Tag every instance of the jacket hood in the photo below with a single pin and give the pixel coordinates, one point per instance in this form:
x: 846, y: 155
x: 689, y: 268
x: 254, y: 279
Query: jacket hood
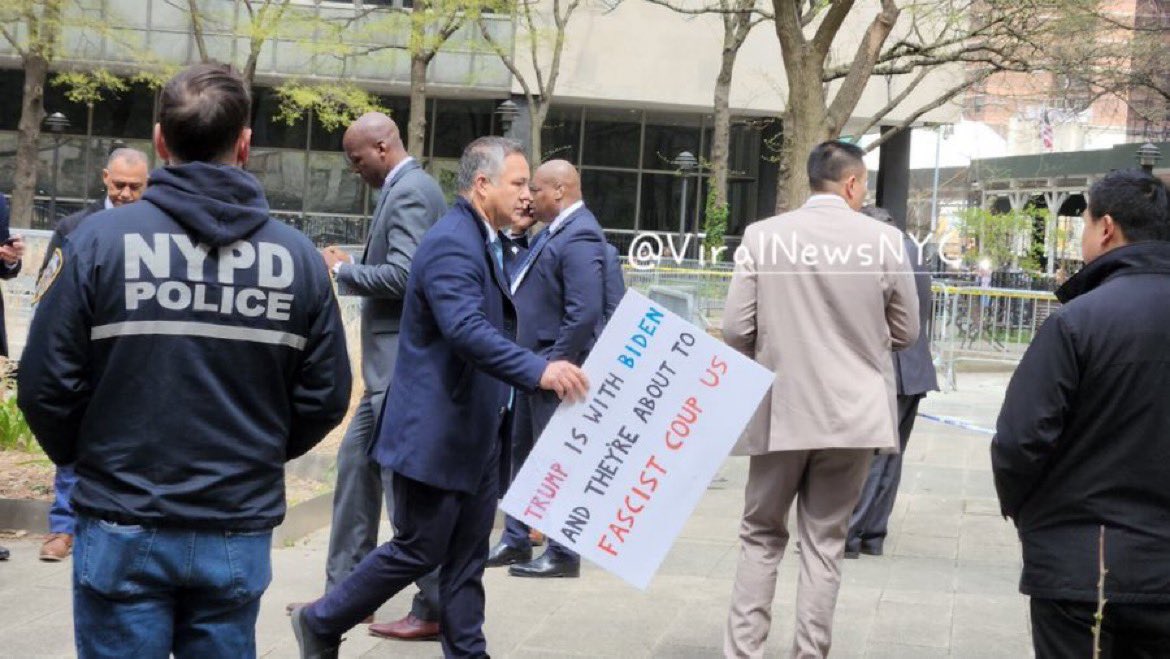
x: 219, y: 204
x: 1152, y: 256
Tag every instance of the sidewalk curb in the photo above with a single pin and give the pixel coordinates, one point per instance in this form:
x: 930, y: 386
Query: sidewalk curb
x: 24, y: 515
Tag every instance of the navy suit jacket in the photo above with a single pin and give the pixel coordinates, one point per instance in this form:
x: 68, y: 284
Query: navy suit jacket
x: 914, y: 366
x: 561, y: 299
x: 447, y: 398
x: 615, y: 283
x: 6, y: 272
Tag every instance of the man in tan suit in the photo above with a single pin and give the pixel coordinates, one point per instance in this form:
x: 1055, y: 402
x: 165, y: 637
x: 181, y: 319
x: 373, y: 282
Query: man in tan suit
x: 820, y: 295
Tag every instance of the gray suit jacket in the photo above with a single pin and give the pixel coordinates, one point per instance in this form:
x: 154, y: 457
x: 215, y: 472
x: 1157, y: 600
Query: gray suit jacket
x: 409, y: 204
x: 914, y: 366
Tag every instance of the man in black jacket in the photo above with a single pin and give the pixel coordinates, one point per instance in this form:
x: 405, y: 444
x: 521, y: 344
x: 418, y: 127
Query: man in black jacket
x: 125, y: 179
x: 10, y: 262
x: 1082, y: 448
x: 186, y: 347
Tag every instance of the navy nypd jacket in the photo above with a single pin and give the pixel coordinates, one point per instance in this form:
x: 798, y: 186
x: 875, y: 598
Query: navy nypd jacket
x: 185, y: 348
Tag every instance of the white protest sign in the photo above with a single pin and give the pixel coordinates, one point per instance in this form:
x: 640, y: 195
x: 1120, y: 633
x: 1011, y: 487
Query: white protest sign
x: 614, y: 478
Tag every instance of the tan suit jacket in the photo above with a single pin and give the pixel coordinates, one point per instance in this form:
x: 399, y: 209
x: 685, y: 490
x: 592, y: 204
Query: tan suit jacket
x: 821, y: 295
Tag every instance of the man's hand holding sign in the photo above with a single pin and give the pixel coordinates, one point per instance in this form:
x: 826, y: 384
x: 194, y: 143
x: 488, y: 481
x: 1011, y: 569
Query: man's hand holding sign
x: 616, y: 477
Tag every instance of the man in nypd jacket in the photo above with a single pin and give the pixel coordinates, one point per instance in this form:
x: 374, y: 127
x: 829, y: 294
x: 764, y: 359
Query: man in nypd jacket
x: 187, y: 347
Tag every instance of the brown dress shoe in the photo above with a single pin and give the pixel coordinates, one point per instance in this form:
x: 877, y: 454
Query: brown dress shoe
x: 409, y: 628
x: 288, y: 609
x: 57, y: 547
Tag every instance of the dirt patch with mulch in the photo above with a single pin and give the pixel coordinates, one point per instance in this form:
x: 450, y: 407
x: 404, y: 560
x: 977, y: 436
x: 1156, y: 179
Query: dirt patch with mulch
x: 26, y: 476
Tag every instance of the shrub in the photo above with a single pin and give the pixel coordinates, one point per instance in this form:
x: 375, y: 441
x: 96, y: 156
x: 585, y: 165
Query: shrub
x: 14, y: 431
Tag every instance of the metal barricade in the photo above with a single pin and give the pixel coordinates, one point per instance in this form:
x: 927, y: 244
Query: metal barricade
x: 699, y: 292
x: 984, y: 325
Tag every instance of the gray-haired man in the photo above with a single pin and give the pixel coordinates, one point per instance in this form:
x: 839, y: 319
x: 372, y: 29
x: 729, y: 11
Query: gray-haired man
x: 457, y: 357
x: 125, y: 177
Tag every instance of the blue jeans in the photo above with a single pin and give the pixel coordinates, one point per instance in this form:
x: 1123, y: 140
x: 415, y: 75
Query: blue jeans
x: 61, y: 512
x: 147, y: 592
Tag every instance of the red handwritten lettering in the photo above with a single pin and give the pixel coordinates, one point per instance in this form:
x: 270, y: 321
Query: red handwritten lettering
x: 546, y: 491
x: 628, y: 513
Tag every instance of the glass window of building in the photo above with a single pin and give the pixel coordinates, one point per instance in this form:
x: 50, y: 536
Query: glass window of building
x: 560, y: 137
x: 666, y: 137
x: 333, y: 188
x: 282, y: 173
x: 612, y: 196
x: 661, y: 205
x: 612, y: 138
x: 267, y: 131
x: 457, y: 123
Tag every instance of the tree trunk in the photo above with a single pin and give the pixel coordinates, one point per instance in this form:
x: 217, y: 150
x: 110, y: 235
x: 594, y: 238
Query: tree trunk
x: 720, y: 140
x: 417, y: 130
x: 88, y: 178
x: 538, y: 113
x: 32, y: 113
x: 805, y: 126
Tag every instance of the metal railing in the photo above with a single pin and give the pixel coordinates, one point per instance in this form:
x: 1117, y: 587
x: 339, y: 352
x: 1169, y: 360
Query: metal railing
x: 987, y: 325
x: 969, y: 324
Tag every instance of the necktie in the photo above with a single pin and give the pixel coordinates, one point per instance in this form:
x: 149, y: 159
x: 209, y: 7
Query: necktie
x: 530, y: 257
x: 498, y: 252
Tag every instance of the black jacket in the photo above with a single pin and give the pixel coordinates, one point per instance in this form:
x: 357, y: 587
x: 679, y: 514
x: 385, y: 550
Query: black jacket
x: 6, y: 272
x: 66, y: 227
x: 187, y: 347
x: 1083, y: 439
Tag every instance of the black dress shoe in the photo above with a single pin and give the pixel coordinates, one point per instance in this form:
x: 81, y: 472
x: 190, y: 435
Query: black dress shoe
x: 3, y: 554
x: 504, y: 554
x: 871, y: 550
x: 548, y: 567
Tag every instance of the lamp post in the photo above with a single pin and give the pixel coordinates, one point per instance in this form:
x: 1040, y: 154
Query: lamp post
x: 684, y: 162
x: 56, y: 123
x: 508, y: 112
x: 1148, y: 155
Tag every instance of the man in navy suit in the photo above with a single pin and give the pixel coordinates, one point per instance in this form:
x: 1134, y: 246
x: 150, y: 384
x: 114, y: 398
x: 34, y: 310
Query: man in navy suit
x: 409, y: 203
x: 559, y: 288
x: 440, y: 429
x: 615, y: 283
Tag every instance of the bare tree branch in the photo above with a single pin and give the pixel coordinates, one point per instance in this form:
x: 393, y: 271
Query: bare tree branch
x: 710, y: 9
x: 867, y: 53
x: 895, y: 101
x: 939, y: 101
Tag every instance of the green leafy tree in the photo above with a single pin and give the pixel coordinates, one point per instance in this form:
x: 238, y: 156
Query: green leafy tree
x: 545, y: 37
x: 1002, y: 239
x: 738, y: 18
x: 715, y: 223
x: 89, y: 88
x: 334, y: 105
x: 33, y: 29
x: 419, y: 32
x: 260, y: 21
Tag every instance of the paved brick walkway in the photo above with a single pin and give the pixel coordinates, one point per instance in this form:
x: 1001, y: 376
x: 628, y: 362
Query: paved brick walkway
x: 946, y: 588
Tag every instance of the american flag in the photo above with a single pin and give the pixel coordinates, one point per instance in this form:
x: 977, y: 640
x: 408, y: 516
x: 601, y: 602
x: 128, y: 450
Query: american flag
x: 1046, y: 134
